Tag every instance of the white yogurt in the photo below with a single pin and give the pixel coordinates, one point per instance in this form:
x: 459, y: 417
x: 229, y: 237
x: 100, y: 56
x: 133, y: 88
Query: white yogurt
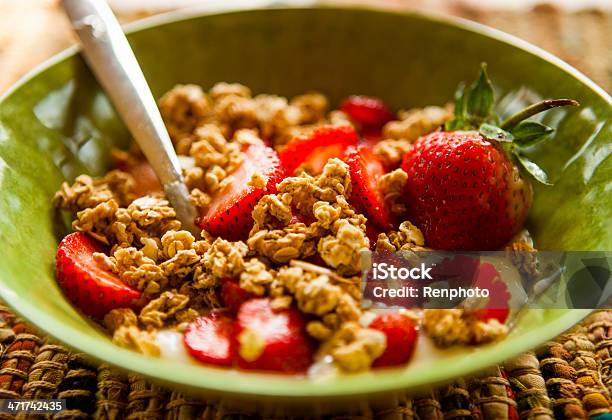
x: 171, y: 346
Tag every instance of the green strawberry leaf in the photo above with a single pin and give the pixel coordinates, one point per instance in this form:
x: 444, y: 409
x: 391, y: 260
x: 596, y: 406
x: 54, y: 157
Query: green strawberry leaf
x: 455, y: 124
x: 528, y: 133
x: 533, y: 169
x: 479, y: 98
x: 495, y: 133
x: 460, y: 101
x: 459, y: 122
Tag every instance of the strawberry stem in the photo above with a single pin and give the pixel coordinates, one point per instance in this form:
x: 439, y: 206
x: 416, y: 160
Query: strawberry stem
x: 534, y: 109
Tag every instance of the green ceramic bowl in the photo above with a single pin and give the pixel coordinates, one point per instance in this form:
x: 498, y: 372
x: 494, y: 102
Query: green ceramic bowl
x: 57, y: 123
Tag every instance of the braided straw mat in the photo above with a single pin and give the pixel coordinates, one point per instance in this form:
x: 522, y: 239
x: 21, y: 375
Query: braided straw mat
x: 568, y: 378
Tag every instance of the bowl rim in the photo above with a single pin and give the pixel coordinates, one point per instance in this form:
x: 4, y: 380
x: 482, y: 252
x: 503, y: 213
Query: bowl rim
x: 237, y: 382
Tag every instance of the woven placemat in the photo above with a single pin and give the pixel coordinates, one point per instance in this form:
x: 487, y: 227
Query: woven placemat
x: 567, y: 378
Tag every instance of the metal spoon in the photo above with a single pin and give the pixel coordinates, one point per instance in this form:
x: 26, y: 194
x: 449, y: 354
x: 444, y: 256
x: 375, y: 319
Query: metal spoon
x: 109, y: 55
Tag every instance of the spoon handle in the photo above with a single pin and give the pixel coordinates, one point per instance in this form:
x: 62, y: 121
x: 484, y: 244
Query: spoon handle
x: 112, y: 60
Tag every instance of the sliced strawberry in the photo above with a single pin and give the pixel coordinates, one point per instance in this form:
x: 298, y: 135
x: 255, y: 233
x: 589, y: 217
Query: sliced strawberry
x: 369, y: 112
x: 501, y: 314
x: 370, y: 138
x: 497, y: 306
x: 88, y: 286
x: 314, y: 151
x: 146, y: 181
x: 298, y: 217
x: 209, y: 339
x: 272, y: 340
x: 372, y: 233
x: 366, y: 169
x: 229, y: 215
x: 233, y: 295
x: 401, y: 336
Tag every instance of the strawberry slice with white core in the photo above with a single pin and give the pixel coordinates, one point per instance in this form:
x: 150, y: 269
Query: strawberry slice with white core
x: 209, y: 339
x: 88, y: 286
x: 272, y: 340
x: 229, y: 215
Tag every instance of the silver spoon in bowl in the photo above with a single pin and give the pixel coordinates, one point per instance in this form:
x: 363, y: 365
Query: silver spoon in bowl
x: 112, y: 60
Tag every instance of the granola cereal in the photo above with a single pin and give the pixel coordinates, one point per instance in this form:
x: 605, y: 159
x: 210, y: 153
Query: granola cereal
x: 417, y: 122
x: 391, y: 186
x: 255, y: 277
x: 392, y: 151
x: 120, y: 317
x: 224, y: 258
x: 134, y: 338
x: 354, y: 348
x: 342, y: 250
x: 169, y: 306
x: 407, y: 238
x: 87, y: 192
x: 523, y: 254
x: 449, y: 327
x: 134, y: 268
x: 305, y: 239
x: 183, y: 108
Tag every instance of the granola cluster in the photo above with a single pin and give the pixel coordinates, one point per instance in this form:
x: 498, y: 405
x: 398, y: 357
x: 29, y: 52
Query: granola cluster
x: 417, y: 122
x: 337, y: 232
x: 333, y: 301
x: 391, y: 186
x: 231, y: 107
x: 448, y: 327
x: 407, y: 238
x: 306, y: 243
x: 523, y: 254
x: 87, y: 192
x: 399, y: 135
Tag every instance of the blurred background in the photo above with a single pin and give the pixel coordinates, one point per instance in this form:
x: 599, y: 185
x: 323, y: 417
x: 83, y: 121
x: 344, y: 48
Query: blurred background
x: 578, y: 31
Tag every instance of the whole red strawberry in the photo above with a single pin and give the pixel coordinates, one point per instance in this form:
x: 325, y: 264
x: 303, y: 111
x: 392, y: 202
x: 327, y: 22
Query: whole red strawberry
x: 272, y: 340
x: 89, y: 287
x: 401, y: 336
x: 463, y: 190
